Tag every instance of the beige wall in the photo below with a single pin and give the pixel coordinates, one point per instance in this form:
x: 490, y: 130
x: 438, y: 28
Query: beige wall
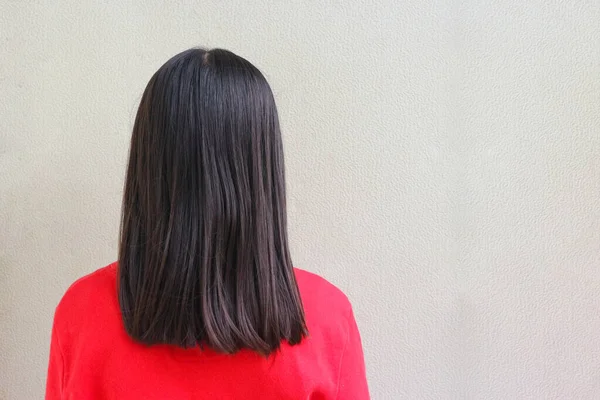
x: 443, y: 162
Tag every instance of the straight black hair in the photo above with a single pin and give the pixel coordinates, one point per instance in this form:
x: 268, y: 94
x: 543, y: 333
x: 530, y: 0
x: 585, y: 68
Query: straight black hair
x: 203, y: 252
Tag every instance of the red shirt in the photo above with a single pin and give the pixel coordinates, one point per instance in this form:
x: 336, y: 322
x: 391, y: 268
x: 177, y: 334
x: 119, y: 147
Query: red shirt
x: 92, y: 358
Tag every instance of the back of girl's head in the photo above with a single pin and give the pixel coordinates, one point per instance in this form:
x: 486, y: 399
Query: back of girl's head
x: 203, y: 255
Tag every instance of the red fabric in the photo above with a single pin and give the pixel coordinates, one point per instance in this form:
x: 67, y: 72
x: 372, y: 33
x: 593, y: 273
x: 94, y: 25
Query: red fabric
x: 92, y: 358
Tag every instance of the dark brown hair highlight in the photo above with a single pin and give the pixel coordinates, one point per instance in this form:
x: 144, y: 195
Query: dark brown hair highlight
x: 203, y: 252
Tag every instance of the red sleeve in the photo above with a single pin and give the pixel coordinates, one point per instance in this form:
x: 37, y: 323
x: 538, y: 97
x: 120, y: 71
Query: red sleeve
x: 352, y: 383
x: 55, y: 368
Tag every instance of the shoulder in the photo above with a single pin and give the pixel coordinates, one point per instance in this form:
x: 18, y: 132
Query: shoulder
x: 321, y: 296
x: 88, y: 294
x: 329, y: 319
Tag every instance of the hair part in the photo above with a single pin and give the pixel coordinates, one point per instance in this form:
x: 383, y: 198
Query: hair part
x: 203, y: 250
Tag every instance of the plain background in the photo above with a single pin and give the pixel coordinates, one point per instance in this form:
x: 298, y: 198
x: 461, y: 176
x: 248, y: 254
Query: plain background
x: 443, y: 164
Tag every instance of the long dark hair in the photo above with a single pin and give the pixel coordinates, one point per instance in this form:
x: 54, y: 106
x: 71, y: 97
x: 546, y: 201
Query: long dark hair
x: 203, y: 252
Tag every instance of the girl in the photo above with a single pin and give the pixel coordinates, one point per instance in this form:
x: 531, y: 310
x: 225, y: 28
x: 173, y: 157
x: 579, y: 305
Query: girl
x: 204, y: 302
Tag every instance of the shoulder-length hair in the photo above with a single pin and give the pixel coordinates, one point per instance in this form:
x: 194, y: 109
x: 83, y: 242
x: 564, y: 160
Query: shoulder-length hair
x: 203, y: 252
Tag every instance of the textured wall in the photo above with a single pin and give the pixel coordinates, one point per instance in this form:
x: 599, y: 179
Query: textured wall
x: 443, y: 161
